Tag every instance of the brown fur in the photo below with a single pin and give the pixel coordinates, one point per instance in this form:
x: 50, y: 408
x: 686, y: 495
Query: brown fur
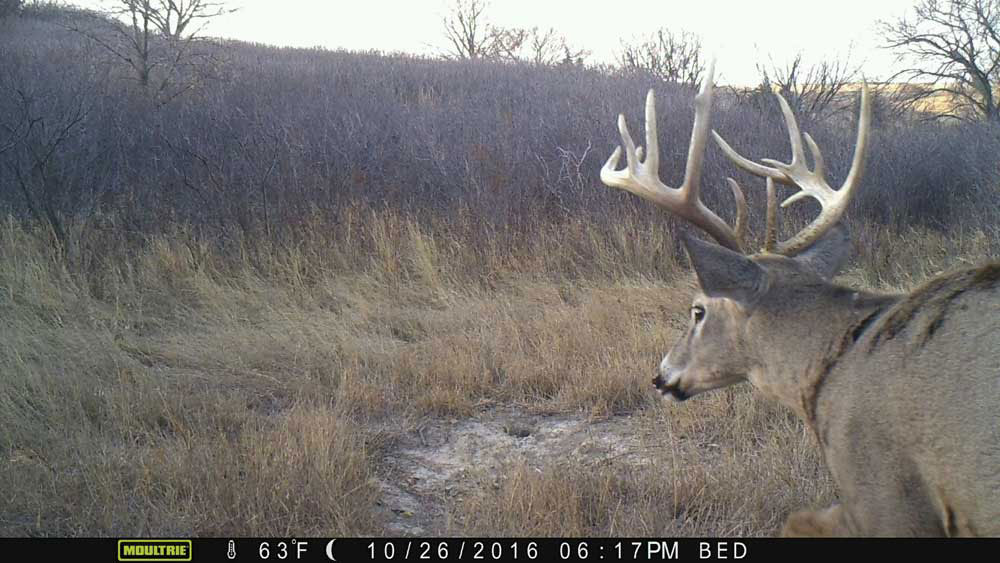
x: 813, y: 524
x: 934, y: 298
x: 877, y: 306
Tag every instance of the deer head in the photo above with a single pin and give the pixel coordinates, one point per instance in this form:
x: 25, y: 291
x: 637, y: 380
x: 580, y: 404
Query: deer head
x: 747, y: 303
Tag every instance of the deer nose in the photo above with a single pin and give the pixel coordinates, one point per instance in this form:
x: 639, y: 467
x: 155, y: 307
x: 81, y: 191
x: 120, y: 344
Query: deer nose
x: 662, y: 372
x: 671, y: 389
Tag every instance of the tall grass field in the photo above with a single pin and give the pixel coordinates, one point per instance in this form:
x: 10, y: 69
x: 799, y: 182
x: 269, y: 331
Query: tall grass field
x: 278, y: 304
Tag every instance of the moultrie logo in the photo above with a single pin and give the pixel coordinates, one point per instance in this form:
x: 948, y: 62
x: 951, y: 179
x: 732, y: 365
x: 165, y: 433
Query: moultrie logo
x: 154, y: 550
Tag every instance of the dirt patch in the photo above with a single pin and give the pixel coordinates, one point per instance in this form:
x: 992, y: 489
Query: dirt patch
x: 444, y: 459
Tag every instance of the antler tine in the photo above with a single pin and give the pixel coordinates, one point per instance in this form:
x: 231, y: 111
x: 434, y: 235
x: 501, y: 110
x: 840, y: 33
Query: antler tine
x: 811, y: 183
x: 771, y: 231
x: 741, y: 210
x: 641, y: 175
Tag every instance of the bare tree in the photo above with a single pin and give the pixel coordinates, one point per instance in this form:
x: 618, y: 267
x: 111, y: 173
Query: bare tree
x: 954, y: 45
x: 549, y: 48
x: 815, y: 92
x: 177, y: 18
x: 472, y: 36
x: 160, y: 41
x: 672, y: 57
x: 467, y: 30
x: 506, y: 43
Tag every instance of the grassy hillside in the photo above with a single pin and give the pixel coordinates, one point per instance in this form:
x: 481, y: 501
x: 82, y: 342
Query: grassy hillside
x: 266, y: 289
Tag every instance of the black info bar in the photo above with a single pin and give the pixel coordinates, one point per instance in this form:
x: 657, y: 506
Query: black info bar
x: 281, y: 550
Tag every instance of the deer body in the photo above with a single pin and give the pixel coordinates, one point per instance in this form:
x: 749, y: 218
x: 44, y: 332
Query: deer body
x: 909, y: 415
x: 901, y: 391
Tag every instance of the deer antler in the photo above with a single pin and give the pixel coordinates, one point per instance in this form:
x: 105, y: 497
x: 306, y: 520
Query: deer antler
x: 641, y: 176
x: 811, y: 183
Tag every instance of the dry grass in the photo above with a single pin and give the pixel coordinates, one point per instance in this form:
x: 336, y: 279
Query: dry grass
x: 174, y: 385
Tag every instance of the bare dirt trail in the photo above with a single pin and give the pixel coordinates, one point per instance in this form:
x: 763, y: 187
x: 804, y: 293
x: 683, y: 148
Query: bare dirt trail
x: 444, y: 459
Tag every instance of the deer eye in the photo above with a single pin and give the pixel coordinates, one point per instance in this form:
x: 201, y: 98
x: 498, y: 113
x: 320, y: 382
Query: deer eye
x: 697, y: 313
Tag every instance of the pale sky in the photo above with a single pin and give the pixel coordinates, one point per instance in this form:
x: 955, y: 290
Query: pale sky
x: 738, y: 32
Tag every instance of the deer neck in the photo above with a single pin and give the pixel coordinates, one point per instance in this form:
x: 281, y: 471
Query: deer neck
x: 794, y: 372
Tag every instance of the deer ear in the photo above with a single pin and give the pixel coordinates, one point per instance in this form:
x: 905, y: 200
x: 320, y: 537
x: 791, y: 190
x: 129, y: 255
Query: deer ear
x: 724, y: 273
x: 828, y: 255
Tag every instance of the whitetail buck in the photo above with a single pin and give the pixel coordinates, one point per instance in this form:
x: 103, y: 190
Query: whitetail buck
x: 901, y: 391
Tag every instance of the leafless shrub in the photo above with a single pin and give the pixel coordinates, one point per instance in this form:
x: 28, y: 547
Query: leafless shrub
x: 816, y: 92
x: 35, y: 135
x: 547, y: 47
x: 668, y: 55
x: 297, y: 132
